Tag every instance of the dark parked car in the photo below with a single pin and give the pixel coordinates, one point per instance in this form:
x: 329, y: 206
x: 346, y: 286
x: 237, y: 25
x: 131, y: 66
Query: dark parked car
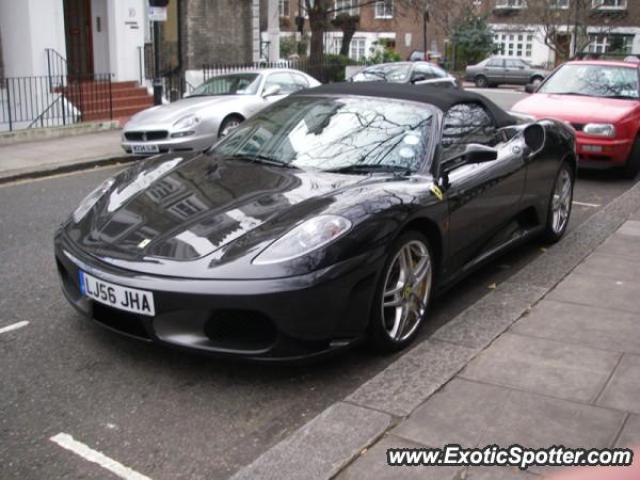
x: 330, y: 217
x: 418, y: 73
x: 495, y: 71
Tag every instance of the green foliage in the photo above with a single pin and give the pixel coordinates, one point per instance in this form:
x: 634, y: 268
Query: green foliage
x: 472, y: 37
x: 290, y: 46
x: 335, y: 67
x: 383, y: 52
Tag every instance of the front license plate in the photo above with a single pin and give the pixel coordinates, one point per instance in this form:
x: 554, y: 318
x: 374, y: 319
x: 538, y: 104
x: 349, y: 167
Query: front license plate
x: 116, y: 296
x: 145, y: 148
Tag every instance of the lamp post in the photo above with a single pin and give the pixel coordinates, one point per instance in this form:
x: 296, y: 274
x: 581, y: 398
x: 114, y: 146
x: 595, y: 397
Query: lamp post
x: 425, y: 20
x: 157, y: 14
x: 575, y: 28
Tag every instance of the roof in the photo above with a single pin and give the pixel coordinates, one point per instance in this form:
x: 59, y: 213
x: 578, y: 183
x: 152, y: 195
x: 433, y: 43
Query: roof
x: 442, y: 98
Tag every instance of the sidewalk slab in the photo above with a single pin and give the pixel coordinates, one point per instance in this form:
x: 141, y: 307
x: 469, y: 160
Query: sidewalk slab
x: 373, y: 464
x: 623, y: 391
x: 404, y: 385
x: 36, y: 158
x: 321, y: 448
x: 618, y: 267
x: 598, y: 291
x: 542, y: 366
x: 625, y: 245
x: 498, y: 415
x: 630, y: 436
x: 594, y: 327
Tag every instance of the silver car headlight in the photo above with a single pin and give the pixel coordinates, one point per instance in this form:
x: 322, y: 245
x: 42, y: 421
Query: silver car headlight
x: 306, y: 237
x: 600, y: 130
x: 90, y: 200
x: 188, y: 121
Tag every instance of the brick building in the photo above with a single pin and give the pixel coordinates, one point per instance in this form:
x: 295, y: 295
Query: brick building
x: 394, y: 21
x: 606, y: 26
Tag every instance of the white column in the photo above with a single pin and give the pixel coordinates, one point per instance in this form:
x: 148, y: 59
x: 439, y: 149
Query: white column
x: 273, y: 29
x: 255, y: 29
x: 126, y: 33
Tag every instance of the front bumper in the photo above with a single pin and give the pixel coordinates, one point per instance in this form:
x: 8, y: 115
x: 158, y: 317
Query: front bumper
x: 283, y: 319
x: 602, y: 153
x: 192, y: 143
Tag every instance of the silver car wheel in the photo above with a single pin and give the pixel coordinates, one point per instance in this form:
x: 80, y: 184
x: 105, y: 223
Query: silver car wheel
x: 561, y: 202
x: 406, y: 290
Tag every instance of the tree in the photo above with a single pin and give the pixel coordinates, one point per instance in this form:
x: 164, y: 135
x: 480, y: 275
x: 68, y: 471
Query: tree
x: 348, y: 24
x: 472, y: 37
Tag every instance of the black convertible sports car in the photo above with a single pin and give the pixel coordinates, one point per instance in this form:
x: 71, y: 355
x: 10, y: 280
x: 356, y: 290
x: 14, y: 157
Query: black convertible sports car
x: 330, y: 217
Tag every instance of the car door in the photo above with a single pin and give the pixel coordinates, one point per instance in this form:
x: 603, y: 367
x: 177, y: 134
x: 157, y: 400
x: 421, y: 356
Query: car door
x: 482, y: 198
x: 515, y: 71
x: 494, y: 70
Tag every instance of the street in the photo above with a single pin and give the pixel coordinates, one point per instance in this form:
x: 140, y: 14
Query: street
x: 163, y: 413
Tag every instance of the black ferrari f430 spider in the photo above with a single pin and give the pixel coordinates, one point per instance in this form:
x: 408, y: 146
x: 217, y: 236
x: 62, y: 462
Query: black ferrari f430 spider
x: 331, y: 217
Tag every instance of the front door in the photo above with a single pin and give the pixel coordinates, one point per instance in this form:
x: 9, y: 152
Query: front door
x: 77, y: 26
x: 483, y: 197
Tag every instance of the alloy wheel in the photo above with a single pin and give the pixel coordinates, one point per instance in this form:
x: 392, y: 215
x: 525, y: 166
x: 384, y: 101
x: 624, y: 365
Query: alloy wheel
x: 561, y: 202
x: 229, y: 126
x: 406, y: 290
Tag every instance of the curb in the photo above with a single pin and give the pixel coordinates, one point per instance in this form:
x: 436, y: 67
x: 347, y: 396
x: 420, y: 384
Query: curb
x: 69, y: 167
x: 322, y: 448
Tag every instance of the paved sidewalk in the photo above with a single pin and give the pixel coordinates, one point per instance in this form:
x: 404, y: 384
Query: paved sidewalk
x: 568, y: 373
x: 58, y: 154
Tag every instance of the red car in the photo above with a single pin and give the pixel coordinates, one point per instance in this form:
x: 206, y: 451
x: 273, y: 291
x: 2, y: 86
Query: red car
x: 601, y: 100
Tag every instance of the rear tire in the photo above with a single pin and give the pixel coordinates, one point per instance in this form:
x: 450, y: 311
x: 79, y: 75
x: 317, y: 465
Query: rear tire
x: 560, y: 204
x: 632, y: 167
x: 481, y: 81
x: 402, y: 296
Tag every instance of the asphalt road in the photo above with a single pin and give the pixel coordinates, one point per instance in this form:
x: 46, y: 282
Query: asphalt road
x: 165, y: 414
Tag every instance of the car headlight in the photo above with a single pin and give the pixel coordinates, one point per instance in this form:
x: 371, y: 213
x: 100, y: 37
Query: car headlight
x: 187, y: 121
x: 90, y: 200
x: 305, y: 238
x: 600, y: 130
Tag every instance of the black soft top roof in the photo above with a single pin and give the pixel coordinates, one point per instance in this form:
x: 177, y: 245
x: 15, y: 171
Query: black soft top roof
x: 442, y: 98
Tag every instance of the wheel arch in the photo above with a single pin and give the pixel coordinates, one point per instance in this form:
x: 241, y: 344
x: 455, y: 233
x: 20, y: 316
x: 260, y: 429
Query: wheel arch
x: 430, y: 229
x: 228, y: 116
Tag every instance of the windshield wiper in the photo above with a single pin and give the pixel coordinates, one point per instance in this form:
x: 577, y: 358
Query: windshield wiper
x: 371, y: 168
x: 264, y: 159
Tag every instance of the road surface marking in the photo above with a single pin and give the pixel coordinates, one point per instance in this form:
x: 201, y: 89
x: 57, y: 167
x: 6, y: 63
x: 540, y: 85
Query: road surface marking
x: 15, y: 326
x: 585, y: 204
x: 66, y: 441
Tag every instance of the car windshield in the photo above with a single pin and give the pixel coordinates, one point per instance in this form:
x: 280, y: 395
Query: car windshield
x: 352, y: 134
x: 389, y: 73
x: 594, y: 81
x: 236, y: 84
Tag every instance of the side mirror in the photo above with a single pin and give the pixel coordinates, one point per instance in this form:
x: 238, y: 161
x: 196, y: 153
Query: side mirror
x: 270, y: 91
x: 531, y: 88
x: 473, y: 153
x: 534, y: 138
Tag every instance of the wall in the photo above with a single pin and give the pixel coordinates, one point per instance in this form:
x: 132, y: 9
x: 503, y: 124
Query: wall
x: 217, y: 31
x: 126, y: 25
x: 99, y: 16
x: 28, y: 27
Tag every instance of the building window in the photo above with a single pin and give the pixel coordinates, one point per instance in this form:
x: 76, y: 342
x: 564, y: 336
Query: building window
x: 511, y: 3
x: 357, y: 49
x: 611, y: 43
x: 350, y: 7
x: 610, y: 4
x: 384, y: 9
x: 283, y: 8
x: 559, y: 4
x: 514, y: 44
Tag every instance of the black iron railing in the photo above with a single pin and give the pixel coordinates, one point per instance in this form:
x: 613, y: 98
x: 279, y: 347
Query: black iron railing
x: 54, y: 100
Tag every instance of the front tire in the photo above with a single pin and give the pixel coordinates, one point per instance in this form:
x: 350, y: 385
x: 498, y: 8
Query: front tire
x: 632, y: 167
x: 481, y: 81
x: 228, y: 124
x: 403, y: 293
x: 560, y: 204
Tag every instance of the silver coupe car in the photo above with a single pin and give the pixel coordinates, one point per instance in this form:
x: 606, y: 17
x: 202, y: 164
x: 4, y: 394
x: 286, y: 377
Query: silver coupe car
x: 210, y: 112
